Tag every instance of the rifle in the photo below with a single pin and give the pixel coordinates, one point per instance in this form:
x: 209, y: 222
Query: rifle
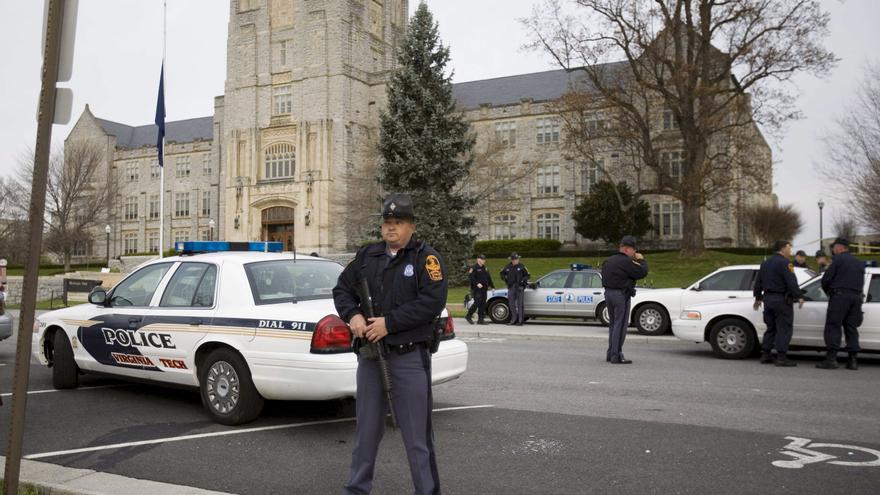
x: 377, y: 349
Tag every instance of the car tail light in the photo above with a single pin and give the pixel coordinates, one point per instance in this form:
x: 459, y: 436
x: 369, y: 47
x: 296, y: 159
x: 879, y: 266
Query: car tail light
x: 331, y: 335
x: 448, y: 329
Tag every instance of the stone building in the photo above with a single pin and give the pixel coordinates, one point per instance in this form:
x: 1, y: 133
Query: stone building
x: 290, y: 152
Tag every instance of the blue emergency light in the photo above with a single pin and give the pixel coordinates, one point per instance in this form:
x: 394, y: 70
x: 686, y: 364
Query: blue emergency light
x: 580, y: 266
x: 225, y: 246
x: 871, y: 264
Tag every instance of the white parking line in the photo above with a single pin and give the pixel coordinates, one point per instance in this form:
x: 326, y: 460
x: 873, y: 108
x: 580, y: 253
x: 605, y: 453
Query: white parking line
x: 219, y: 434
x: 9, y: 394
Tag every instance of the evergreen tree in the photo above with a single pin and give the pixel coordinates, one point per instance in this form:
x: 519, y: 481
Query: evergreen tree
x: 425, y: 144
x: 601, y: 216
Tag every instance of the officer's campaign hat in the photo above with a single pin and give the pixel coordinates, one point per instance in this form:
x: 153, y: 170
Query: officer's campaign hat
x: 514, y: 256
x: 628, y: 240
x: 843, y: 241
x: 398, y: 206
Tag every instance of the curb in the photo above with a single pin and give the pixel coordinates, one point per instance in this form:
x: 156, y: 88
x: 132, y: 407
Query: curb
x: 630, y: 338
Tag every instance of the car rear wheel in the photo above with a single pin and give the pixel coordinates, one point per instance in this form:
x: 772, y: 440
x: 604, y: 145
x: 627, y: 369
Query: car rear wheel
x: 65, y: 372
x: 732, y: 338
x: 602, y: 314
x: 651, y: 319
x: 227, y: 390
x: 499, y: 311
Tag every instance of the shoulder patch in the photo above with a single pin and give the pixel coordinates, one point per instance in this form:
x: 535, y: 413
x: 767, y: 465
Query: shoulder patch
x: 432, y: 266
x: 791, y: 267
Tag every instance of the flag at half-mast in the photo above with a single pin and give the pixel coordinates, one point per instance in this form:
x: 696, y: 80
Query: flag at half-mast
x: 160, y: 116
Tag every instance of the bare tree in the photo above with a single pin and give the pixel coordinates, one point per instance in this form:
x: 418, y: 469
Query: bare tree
x: 13, y: 221
x: 846, y: 227
x: 717, y: 69
x: 853, y: 151
x: 774, y: 223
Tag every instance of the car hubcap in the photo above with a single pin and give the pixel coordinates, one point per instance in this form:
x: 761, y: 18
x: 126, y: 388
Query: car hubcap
x: 499, y: 311
x: 650, y: 320
x: 731, y: 339
x: 605, y: 316
x: 223, y: 387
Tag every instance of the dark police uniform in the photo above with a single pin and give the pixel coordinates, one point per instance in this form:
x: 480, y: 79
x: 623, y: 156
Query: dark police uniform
x: 619, y: 275
x: 777, y: 287
x: 409, y: 289
x: 516, y: 277
x: 844, y: 282
x: 479, y: 275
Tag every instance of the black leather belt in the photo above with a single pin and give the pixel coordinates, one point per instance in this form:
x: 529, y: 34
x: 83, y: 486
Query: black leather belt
x: 404, y: 348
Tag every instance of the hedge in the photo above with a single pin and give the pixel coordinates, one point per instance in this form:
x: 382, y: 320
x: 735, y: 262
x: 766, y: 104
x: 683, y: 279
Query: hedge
x: 523, y: 247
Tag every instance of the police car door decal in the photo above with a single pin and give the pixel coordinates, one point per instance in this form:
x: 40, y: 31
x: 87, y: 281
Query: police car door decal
x: 115, y: 341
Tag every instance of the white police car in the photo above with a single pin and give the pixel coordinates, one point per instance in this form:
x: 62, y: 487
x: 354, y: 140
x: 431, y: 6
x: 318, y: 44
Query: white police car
x: 241, y: 326
x: 576, y: 292
x: 734, y: 328
x: 6, y: 320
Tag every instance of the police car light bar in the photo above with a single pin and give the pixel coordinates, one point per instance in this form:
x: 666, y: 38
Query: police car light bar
x: 580, y: 266
x: 224, y: 246
x: 871, y: 264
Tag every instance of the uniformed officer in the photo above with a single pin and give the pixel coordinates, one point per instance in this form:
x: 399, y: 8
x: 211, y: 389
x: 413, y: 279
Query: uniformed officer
x: 619, y: 275
x: 777, y: 288
x: 800, y: 259
x: 408, y: 285
x: 843, y: 282
x: 481, y: 281
x: 516, y: 275
x: 822, y: 261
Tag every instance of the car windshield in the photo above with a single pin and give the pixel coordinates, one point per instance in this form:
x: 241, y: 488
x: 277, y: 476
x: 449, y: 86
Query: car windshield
x: 288, y: 280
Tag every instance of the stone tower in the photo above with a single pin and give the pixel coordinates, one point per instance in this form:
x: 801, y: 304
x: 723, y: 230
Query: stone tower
x: 298, y: 124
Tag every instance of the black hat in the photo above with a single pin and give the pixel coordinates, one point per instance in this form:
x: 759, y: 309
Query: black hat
x: 820, y: 254
x: 514, y: 256
x: 843, y: 241
x: 398, y: 206
x: 801, y: 252
x: 628, y: 240
x: 481, y: 256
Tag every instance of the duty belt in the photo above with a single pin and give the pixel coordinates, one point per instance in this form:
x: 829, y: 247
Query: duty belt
x: 404, y: 348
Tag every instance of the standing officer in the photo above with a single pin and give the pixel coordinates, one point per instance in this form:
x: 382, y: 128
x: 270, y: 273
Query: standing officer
x: 822, y: 261
x: 408, y: 285
x: 843, y: 282
x: 516, y: 275
x: 800, y: 259
x: 481, y: 282
x: 619, y: 275
x: 777, y: 287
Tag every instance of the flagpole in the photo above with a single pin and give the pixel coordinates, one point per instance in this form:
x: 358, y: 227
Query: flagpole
x: 162, y: 165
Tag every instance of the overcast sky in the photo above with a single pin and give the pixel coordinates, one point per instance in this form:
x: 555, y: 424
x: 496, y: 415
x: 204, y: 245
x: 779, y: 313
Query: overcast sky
x: 119, y: 50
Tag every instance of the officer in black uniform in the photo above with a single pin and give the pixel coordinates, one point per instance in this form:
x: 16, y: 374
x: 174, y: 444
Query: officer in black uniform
x: 409, y: 287
x: 481, y: 282
x: 843, y: 282
x: 822, y: 261
x: 800, y: 259
x: 516, y: 275
x: 619, y: 275
x: 777, y: 288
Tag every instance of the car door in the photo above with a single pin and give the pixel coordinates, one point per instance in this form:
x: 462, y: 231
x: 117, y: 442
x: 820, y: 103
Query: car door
x: 113, y: 343
x: 721, y: 285
x: 184, y: 311
x: 809, y: 321
x: 583, y: 293
x: 547, y: 296
x: 869, y: 332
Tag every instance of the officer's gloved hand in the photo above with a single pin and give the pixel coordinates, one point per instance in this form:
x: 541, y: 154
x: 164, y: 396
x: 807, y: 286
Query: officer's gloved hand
x: 757, y: 304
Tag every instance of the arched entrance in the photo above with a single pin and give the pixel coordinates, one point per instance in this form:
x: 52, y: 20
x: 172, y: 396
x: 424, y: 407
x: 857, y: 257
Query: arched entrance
x: 278, y: 226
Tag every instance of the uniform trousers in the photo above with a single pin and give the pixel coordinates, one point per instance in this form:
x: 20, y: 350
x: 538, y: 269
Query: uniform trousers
x: 515, y: 298
x: 844, y: 310
x: 779, y: 318
x: 479, y: 305
x: 618, y: 302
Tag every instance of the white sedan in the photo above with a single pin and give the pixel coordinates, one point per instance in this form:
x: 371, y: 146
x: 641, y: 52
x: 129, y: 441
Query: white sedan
x: 653, y: 309
x: 241, y: 326
x: 734, y: 328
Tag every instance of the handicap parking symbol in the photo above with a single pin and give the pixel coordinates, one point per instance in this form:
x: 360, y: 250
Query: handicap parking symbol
x: 802, y: 453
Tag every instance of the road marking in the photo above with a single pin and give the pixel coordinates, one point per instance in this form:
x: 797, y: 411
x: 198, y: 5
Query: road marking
x: 9, y: 394
x: 220, y: 434
x: 803, y: 453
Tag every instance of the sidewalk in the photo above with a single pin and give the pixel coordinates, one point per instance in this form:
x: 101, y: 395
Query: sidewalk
x: 551, y: 329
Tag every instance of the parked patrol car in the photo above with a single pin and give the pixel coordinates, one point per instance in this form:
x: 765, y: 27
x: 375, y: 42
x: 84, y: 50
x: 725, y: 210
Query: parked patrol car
x: 241, y: 326
x: 574, y: 292
x: 5, y: 318
x: 734, y: 328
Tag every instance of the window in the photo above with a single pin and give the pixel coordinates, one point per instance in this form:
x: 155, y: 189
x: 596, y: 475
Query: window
x: 547, y: 131
x: 181, y: 204
x: 245, y: 5
x: 874, y: 290
x: 207, y: 168
x: 590, y: 174
x: 205, y: 235
x: 814, y: 292
x: 667, y: 219
x: 505, y: 133
x: 192, y: 285
x: 180, y: 235
x: 503, y: 227
x: 280, y: 161
x: 131, y: 171
x: 154, y: 170
x: 131, y: 208
x: 154, y: 206
x: 284, y: 281
x: 728, y: 280
x: 153, y: 241
x: 138, y: 288
x: 206, y: 203
x: 548, y: 226
x: 548, y: 180
x: 555, y: 280
x: 130, y: 242
x: 182, y: 166
x: 595, y: 124
x: 670, y: 162
x: 586, y: 280
x: 669, y: 121
x: 80, y: 249
x: 281, y: 100
x: 282, y: 51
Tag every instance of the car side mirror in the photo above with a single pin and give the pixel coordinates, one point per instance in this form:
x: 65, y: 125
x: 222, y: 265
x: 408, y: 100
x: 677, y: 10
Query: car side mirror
x: 533, y: 286
x: 98, y: 296
x: 697, y: 288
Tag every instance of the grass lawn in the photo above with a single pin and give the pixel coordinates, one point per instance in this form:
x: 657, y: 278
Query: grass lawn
x: 48, y: 271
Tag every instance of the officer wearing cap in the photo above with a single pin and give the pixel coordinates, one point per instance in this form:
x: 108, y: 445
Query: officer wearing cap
x: 481, y: 282
x: 800, y: 259
x: 408, y: 285
x: 822, y: 261
x: 516, y: 275
x: 777, y: 288
x: 844, y: 282
x: 619, y: 275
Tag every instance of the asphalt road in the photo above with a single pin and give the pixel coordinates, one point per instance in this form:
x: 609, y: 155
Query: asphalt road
x: 562, y: 421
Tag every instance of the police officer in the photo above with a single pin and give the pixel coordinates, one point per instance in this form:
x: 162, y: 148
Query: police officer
x: 619, y: 275
x: 481, y: 282
x: 800, y: 259
x: 408, y: 285
x: 822, y: 261
x: 777, y: 288
x: 843, y: 282
x: 516, y: 275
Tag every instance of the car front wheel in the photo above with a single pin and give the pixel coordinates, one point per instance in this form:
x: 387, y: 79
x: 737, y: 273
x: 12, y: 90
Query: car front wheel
x: 732, y: 338
x: 602, y: 314
x: 228, y: 393
x: 499, y: 311
x: 65, y: 372
x: 651, y: 319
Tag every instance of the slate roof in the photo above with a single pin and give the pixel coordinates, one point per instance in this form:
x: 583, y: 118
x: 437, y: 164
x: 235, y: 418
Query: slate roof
x: 179, y: 131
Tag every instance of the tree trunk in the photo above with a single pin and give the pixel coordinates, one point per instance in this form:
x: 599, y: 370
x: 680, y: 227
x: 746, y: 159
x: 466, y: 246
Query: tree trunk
x: 66, y: 262
x: 692, y: 229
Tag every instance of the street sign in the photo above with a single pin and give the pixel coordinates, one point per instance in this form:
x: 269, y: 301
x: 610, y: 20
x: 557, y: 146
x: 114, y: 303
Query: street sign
x: 68, y: 37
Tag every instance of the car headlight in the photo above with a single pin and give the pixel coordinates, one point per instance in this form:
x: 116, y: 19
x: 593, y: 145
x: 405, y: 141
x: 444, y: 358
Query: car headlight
x: 690, y: 315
